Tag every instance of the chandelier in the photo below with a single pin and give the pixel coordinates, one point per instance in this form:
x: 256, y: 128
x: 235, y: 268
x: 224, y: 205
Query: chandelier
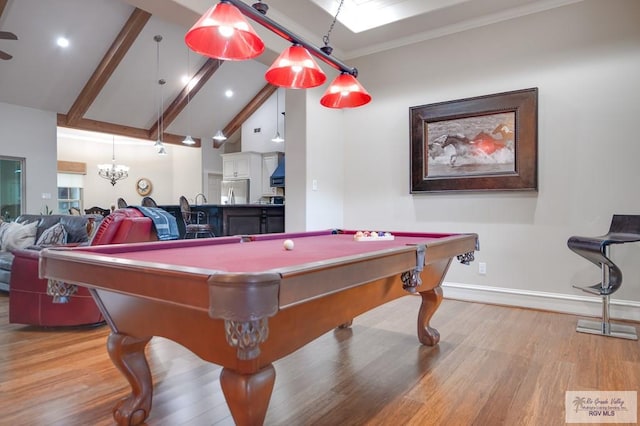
x: 113, y: 172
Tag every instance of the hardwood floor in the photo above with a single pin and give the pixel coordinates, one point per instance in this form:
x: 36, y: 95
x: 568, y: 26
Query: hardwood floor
x: 494, y: 366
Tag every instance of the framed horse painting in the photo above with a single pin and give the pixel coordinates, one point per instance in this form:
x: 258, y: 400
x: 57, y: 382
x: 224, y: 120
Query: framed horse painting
x: 485, y: 143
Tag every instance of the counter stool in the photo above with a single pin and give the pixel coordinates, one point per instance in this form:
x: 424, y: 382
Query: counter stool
x: 623, y: 229
x: 196, y: 223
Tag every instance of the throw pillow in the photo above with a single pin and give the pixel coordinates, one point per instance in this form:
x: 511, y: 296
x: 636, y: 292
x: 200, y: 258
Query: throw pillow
x: 4, y: 226
x: 20, y: 236
x: 5, y: 229
x: 53, y: 236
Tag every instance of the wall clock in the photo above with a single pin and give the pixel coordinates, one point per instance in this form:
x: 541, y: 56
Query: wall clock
x: 143, y: 186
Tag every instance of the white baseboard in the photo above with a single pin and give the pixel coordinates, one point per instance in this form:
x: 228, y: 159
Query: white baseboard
x: 590, y: 306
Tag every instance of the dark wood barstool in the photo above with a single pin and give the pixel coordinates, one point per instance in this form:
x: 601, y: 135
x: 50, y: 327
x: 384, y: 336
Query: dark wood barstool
x: 196, y: 223
x: 149, y: 202
x: 122, y: 204
x: 98, y: 210
x: 623, y: 229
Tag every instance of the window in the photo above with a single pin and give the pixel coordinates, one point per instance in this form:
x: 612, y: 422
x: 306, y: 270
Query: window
x: 69, y: 197
x: 11, y: 187
x: 69, y: 192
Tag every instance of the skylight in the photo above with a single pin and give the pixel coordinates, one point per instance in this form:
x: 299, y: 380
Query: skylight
x: 362, y: 15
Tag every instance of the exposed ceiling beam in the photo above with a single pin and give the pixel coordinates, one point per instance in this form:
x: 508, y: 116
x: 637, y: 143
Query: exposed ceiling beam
x: 242, y: 116
x: 134, y: 132
x: 108, y: 65
x: 180, y: 102
x: 118, y: 129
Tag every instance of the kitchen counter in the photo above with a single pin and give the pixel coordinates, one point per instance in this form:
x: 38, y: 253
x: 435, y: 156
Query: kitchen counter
x: 236, y: 219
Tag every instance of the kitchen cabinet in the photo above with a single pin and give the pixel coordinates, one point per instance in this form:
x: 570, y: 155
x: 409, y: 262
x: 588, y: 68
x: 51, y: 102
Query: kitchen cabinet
x: 241, y: 165
x: 269, y: 163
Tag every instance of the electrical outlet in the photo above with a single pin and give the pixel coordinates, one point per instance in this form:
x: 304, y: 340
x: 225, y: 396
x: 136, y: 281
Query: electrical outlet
x: 482, y: 268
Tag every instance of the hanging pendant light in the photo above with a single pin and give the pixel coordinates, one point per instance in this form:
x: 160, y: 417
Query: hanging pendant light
x: 159, y: 143
x: 277, y: 138
x: 161, y: 82
x: 295, y: 69
x: 224, y: 33
x: 188, y: 140
x: 219, y: 136
x: 345, y: 92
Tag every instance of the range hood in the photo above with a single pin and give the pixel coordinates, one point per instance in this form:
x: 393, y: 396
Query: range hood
x: 277, y: 178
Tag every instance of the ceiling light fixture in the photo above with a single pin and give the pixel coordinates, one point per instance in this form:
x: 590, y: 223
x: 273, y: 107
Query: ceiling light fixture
x: 295, y: 69
x: 223, y: 33
x: 111, y: 172
x: 62, y: 42
x: 188, y: 140
x: 277, y: 137
x: 161, y: 82
x: 219, y: 136
x: 217, y: 35
x: 345, y: 92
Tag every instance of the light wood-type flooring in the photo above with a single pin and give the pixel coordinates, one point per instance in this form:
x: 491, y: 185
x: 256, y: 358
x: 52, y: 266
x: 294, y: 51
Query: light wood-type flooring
x: 494, y: 366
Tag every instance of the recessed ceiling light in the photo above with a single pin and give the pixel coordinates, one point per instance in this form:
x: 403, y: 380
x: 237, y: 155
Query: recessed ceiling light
x: 184, y: 79
x: 62, y: 42
x: 228, y: 93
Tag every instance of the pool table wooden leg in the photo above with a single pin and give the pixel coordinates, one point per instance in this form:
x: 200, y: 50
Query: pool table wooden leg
x: 127, y: 354
x: 430, y: 301
x: 248, y: 395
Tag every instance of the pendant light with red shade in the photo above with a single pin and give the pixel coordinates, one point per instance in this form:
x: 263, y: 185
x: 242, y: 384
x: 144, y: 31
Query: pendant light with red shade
x: 223, y: 33
x: 345, y: 92
x: 295, y: 69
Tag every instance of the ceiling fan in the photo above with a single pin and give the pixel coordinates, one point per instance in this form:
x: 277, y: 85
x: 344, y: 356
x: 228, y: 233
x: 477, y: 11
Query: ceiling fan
x: 6, y: 35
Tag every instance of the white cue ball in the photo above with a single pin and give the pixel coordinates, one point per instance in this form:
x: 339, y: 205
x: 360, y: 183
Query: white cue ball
x: 288, y: 245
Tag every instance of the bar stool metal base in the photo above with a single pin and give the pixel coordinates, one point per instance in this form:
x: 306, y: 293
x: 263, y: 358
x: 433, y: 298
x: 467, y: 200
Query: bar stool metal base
x: 605, y: 329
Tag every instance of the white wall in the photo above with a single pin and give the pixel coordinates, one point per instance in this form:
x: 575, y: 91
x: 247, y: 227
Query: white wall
x: 295, y: 211
x: 187, y: 166
x: 325, y: 163
x: 31, y: 134
x: 178, y: 173
x: 585, y: 60
x: 260, y: 128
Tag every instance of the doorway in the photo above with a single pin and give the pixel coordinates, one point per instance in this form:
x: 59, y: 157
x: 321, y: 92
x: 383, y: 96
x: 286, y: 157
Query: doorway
x: 214, y: 183
x: 11, y: 187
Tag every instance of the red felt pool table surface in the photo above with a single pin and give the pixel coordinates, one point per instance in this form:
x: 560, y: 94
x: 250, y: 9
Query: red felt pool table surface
x: 245, y: 302
x: 263, y: 252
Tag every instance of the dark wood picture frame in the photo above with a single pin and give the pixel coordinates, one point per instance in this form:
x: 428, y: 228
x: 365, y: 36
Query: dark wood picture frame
x: 471, y: 163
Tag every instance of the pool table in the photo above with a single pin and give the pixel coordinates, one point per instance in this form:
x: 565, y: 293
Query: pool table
x: 244, y: 302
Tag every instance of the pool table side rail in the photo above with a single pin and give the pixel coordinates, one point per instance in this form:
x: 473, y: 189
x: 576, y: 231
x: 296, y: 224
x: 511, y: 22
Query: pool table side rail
x: 297, y: 284
x: 151, y: 280
x: 304, y: 284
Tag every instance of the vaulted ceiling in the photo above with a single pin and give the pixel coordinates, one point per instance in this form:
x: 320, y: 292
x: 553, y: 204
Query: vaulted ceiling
x: 107, y: 79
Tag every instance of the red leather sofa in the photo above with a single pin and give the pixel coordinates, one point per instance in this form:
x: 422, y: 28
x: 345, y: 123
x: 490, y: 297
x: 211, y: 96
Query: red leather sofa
x: 29, y: 302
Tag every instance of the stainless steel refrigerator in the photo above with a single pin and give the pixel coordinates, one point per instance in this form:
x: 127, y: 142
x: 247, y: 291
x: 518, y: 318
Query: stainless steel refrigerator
x: 234, y: 191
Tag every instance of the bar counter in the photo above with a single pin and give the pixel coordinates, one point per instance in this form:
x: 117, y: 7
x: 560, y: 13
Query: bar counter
x: 236, y: 219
